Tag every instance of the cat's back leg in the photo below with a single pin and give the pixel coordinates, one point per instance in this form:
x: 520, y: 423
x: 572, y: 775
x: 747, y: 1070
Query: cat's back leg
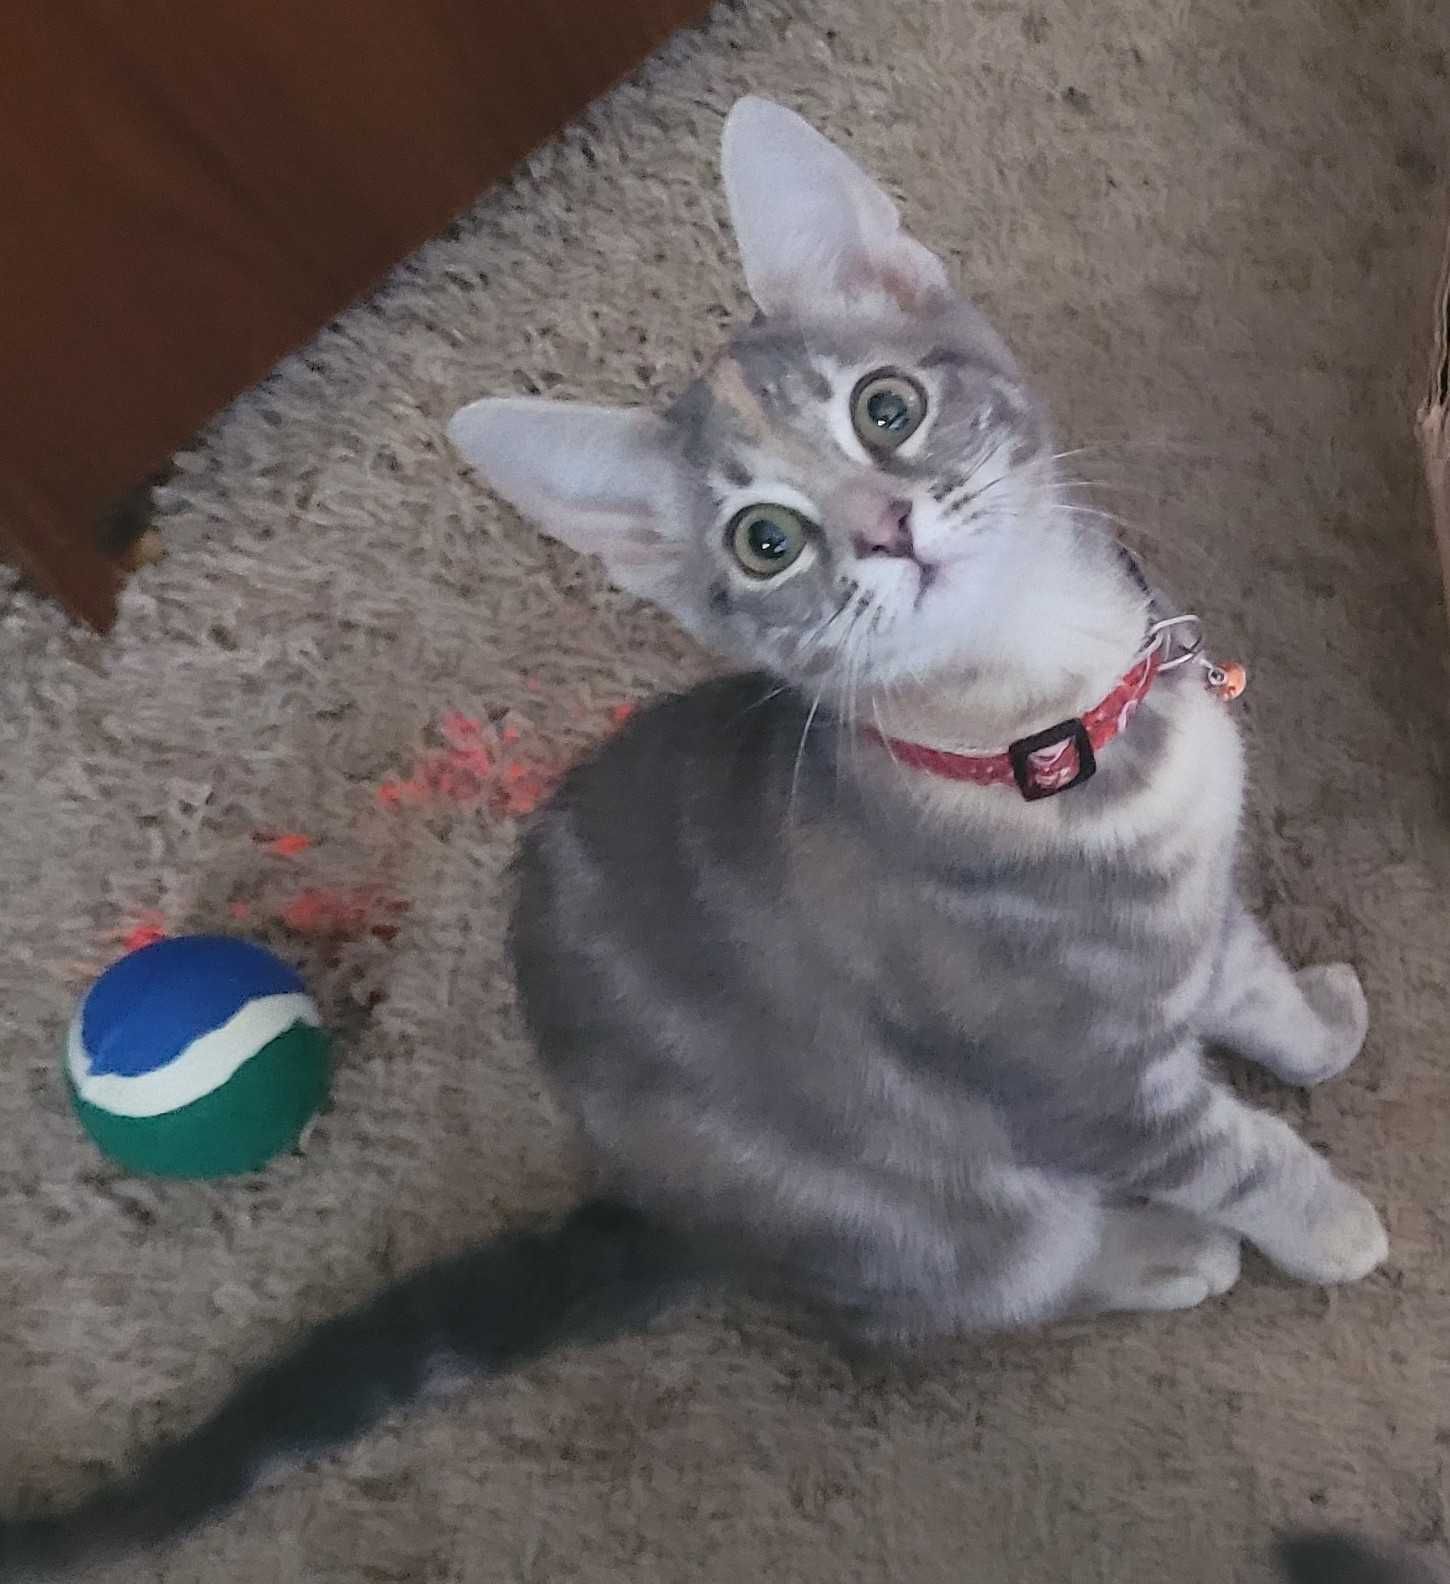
x: 1034, y: 1250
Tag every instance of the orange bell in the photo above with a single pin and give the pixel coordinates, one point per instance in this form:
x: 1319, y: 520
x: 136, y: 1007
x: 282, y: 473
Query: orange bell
x: 1226, y: 681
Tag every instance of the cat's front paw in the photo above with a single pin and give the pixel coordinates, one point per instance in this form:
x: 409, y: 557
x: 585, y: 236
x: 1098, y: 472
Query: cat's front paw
x: 1158, y: 1259
x: 1336, y: 998
x: 1342, y: 1239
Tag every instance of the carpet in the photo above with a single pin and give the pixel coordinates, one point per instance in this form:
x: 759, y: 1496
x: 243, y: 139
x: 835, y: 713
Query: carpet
x: 1211, y: 233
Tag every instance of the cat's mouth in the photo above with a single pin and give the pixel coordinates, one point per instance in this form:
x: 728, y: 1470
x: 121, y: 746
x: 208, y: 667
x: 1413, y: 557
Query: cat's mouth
x: 927, y: 572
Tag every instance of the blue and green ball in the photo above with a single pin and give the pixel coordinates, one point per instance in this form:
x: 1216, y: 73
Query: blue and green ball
x: 198, y: 1056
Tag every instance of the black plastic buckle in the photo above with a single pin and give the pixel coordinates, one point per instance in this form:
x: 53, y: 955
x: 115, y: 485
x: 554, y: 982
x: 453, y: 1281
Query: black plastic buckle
x: 1030, y: 782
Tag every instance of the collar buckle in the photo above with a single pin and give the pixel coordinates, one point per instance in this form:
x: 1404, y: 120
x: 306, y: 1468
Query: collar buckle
x: 1052, y: 761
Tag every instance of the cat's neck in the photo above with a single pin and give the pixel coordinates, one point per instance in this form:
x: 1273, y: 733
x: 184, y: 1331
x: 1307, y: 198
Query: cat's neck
x: 1057, y: 646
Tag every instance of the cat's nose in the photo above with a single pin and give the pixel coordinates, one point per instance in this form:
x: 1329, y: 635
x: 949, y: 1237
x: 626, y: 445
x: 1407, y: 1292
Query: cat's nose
x: 889, y: 535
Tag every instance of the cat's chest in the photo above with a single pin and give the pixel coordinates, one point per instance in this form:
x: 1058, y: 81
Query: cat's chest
x: 871, y: 908
x: 1006, y: 908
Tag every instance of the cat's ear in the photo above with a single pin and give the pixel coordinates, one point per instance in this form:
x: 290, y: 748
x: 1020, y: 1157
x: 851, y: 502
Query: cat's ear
x: 604, y: 480
x: 811, y: 223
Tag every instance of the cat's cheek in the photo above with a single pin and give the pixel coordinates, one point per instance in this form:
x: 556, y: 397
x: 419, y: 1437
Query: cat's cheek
x: 729, y: 633
x: 938, y: 634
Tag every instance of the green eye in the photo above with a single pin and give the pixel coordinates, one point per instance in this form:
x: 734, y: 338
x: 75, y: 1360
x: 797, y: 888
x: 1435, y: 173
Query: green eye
x: 886, y: 408
x: 766, y: 539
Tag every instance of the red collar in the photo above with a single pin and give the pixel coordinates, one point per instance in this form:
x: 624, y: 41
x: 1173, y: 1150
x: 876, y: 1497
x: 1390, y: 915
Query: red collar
x: 1049, y: 761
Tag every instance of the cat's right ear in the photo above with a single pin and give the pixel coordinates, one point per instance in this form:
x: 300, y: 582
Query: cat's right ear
x: 604, y: 480
x: 812, y: 225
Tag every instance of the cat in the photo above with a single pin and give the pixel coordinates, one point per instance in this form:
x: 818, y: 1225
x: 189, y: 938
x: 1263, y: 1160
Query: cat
x: 836, y: 1012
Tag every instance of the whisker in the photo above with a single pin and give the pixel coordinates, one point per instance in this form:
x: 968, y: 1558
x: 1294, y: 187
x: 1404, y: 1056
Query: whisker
x: 800, y: 755
x: 886, y: 734
x: 766, y: 698
x: 1143, y: 445
x: 1101, y: 484
x: 1136, y: 529
x: 854, y: 648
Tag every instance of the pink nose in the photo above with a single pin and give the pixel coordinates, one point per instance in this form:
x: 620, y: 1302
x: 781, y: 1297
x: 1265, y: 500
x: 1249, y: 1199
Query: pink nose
x: 889, y: 534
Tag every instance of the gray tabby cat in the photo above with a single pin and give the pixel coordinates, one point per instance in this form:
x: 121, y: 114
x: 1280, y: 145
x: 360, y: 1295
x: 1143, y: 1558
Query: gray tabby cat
x: 917, y: 1044
x: 917, y: 1051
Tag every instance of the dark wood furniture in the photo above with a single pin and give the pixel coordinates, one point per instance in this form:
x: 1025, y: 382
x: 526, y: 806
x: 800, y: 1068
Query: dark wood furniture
x: 191, y: 191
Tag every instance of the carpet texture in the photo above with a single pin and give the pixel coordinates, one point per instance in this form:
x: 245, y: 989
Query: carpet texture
x: 1211, y: 233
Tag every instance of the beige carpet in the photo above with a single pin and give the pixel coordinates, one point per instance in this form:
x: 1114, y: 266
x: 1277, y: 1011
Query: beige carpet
x: 1211, y: 231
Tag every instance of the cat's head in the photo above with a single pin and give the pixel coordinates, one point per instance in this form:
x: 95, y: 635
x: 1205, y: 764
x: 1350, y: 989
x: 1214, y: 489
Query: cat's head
x: 859, y: 487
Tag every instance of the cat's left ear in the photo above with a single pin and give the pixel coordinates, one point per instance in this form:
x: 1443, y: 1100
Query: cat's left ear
x: 811, y: 224
x: 604, y: 480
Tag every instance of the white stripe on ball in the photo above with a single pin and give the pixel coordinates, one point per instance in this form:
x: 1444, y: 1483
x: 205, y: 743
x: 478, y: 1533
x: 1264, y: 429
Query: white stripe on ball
x: 206, y: 1064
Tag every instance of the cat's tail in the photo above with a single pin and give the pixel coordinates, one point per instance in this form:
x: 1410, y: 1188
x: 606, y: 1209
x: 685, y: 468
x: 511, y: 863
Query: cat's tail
x: 605, y: 1269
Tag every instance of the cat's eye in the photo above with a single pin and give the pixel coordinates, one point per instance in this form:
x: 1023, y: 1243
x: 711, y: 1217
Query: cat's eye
x: 766, y: 539
x: 886, y: 409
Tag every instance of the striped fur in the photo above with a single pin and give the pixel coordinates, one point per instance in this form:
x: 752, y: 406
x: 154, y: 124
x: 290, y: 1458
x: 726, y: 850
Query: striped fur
x: 931, y: 1055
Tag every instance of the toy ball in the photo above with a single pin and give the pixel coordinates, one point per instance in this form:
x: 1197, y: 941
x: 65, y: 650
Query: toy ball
x: 198, y: 1056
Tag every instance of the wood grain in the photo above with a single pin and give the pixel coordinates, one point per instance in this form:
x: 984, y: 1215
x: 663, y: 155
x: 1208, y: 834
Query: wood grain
x: 192, y: 191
